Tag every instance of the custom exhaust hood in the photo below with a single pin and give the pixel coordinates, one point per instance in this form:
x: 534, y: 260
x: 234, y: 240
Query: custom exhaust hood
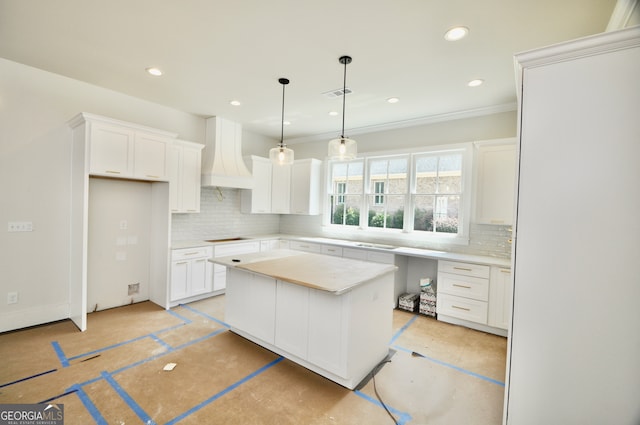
x: 222, y: 163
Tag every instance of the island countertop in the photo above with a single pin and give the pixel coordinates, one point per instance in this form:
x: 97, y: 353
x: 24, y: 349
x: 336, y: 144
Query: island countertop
x: 327, y: 273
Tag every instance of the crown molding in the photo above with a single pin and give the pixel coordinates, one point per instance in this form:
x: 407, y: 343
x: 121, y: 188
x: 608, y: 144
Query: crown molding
x: 415, y: 122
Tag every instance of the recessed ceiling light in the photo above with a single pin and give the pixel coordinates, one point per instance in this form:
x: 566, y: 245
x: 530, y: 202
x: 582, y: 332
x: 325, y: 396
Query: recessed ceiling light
x: 154, y: 71
x: 333, y: 113
x: 286, y: 122
x: 475, y: 83
x: 393, y: 100
x: 456, y: 33
x: 235, y: 103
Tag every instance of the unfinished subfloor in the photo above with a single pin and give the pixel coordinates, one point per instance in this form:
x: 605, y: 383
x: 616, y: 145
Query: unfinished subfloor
x: 113, y: 373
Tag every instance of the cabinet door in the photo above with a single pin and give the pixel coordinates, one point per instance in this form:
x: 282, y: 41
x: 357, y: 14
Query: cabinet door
x: 251, y: 302
x: 305, y: 246
x: 150, y: 160
x: 327, y: 333
x: 280, y: 188
x: 258, y: 199
x: 496, y: 175
x: 500, y: 297
x: 305, y: 187
x: 199, y: 283
x: 292, y: 318
x: 179, y: 279
x: 190, y: 185
x: 111, y: 150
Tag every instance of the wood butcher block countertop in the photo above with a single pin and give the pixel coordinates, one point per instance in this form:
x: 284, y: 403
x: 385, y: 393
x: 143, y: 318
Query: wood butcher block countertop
x: 317, y: 271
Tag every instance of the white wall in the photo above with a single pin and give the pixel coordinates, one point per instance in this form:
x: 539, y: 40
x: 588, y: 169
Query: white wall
x: 35, y: 159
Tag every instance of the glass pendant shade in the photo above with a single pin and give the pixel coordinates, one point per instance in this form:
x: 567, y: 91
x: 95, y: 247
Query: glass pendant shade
x: 281, y: 155
x: 342, y: 149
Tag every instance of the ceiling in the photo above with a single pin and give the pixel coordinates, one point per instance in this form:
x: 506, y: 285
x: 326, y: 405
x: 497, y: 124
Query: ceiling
x: 214, y: 51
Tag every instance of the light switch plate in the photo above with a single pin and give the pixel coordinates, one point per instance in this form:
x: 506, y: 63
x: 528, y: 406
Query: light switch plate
x: 20, y: 226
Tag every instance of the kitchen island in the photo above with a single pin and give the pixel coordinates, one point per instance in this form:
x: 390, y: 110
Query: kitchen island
x: 331, y: 315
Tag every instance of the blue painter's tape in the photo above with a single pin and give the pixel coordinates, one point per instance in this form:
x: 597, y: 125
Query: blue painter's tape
x: 193, y: 310
x: 452, y: 366
x: 186, y: 320
x: 63, y: 359
x: 402, y: 329
x: 161, y: 342
x: 128, y: 399
x: 57, y: 396
x: 195, y: 341
x: 27, y: 378
x: 223, y: 392
x: 109, y: 347
x: 402, y: 417
x: 88, y: 404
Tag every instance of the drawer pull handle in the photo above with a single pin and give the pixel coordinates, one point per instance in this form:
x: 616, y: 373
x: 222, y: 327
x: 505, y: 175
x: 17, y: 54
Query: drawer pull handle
x: 505, y: 271
x: 191, y: 253
x: 461, y: 308
x: 462, y: 268
x: 182, y: 262
x: 112, y: 171
x: 462, y: 286
x: 153, y: 177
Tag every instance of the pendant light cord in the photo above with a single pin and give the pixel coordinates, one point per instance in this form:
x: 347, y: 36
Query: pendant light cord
x: 344, y: 92
x: 284, y: 82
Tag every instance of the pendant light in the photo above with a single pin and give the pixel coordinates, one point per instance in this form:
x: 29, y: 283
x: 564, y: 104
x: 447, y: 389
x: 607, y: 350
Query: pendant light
x: 281, y: 155
x: 343, y: 148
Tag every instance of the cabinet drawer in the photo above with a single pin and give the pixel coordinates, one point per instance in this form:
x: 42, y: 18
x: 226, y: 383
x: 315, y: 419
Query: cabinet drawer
x: 380, y: 257
x: 462, y: 308
x: 465, y: 286
x: 237, y: 248
x: 191, y: 253
x: 465, y: 269
x: 331, y: 250
x: 304, y: 246
x: 358, y: 254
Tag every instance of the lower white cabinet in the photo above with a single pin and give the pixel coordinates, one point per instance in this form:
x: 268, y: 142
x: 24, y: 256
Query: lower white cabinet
x: 500, y: 297
x: 250, y: 304
x: 463, y: 291
x: 191, y: 272
x: 305, y: 246
x: 291, y: 317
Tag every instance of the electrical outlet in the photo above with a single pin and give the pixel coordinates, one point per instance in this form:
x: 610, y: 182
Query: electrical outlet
x: 12, y: 298
x: 134, y: 288
x: 20, y: 226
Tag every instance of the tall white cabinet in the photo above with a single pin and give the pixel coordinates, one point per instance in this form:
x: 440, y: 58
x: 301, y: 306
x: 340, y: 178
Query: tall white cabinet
x: 575, y: 337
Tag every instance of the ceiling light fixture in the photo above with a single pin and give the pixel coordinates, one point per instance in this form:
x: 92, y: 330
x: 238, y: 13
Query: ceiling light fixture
x: 475, y: 83
x: 343, y: 148
x: 281, y: 155
x: 393, y: 100
x: 154, y: 71
x: 456, y: 33
x: 235, y: 103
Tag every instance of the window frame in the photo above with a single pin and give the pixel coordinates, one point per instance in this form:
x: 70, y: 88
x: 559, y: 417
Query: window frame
x: 407, y: 232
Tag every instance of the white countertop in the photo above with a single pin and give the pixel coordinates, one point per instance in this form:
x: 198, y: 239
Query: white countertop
x: 400, y: 250
x: 324, y: 272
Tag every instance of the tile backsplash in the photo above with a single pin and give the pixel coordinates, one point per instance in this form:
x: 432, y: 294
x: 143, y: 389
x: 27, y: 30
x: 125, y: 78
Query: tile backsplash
x: 220, y: 218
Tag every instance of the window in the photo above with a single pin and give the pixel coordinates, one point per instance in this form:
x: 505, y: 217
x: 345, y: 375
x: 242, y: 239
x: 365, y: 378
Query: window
x: 437, y: 192
x: 419, y: 192
x: 346, y: 192
x: 388, y: 188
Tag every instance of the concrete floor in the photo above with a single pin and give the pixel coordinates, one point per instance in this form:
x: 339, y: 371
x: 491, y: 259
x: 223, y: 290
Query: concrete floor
x: 113, y: 373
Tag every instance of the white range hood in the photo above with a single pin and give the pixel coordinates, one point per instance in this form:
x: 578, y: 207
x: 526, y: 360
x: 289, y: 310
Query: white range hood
x: 222, y: 163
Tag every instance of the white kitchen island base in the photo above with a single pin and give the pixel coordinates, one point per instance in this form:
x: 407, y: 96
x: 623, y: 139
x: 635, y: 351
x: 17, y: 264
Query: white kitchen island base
x: 341, y: 334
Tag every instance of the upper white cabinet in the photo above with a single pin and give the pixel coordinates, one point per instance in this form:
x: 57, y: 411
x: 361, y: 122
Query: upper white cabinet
x: 258, y: 199
x: 280, y: 189
x: 184, y: 176
x: 119, y: 149
x: 283, y: 189
x: 305, y: 186
x: 495, y: 181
